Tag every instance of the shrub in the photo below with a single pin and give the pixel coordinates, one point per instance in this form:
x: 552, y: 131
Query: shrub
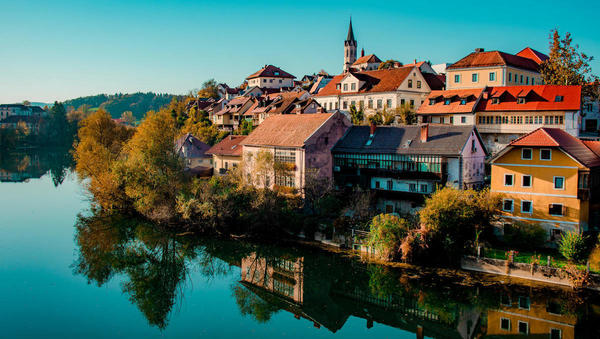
x: 387, y: 233
x: 572, y: 246
x: 525, y: 236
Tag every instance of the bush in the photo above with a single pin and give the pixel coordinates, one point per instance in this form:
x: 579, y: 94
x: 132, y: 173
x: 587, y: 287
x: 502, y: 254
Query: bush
x: 387, y: 233
x: 572, y: 246
x: 525, y: 236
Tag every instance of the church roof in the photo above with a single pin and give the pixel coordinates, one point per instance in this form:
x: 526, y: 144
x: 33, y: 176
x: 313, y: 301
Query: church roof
x: 350, y: 33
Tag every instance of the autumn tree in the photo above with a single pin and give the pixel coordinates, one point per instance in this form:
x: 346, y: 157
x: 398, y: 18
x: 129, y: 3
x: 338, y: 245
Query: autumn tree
x: 405, y: 114
x: 567, y: 65
x: 390, y: 63
x: 128, y: 117
x: 209, y: 89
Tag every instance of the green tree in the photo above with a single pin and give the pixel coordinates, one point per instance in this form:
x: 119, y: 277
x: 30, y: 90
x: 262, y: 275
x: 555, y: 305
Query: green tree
x: 406, y: 114
x: 387, y: 231
x: 569, y: 66
x: 572, y: 246
x: 357, y: 115
x: 390, y: 63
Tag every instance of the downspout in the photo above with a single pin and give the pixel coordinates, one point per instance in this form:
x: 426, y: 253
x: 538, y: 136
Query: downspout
x: 460, y: 172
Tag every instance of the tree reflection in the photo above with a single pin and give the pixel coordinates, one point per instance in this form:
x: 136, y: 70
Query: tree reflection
x: 34, y: 163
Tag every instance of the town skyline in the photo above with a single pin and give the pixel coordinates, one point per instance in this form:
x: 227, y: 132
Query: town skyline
x: 159, y: 52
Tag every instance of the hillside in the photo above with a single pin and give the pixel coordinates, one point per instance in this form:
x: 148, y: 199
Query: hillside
x: 116, y: 104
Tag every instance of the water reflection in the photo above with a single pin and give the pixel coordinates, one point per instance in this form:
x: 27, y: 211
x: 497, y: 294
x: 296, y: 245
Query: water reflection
x: 20, y: 166
x: 321, y: 288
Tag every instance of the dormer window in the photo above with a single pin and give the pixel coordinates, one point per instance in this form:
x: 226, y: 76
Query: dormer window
x: 495, y: 100
x: 338, y: 86
x: 520, y: 100
x: 276, y: 73
x: 431, y: 101
x: 447, y: 102
x: 559, y: 98
x: 463, y: 101
x: 409, y: 83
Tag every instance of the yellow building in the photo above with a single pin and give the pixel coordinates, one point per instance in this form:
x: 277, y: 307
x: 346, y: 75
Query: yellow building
x: 494, y: 68
x: 227, y: 154
x: 549, y: 177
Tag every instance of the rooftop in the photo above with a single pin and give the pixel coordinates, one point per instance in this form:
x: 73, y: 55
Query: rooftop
x: 495, y: 58
x: 230, y: 145
x: 286, y: 130
x: 271, y: 72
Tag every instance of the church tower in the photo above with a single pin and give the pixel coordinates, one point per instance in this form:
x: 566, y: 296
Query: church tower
x: 349, y: 49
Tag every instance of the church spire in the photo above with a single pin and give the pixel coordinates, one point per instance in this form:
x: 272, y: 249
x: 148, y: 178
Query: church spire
x: 350, y: 32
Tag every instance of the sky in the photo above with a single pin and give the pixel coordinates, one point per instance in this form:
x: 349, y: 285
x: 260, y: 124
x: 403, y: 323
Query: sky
x: 57, y: 50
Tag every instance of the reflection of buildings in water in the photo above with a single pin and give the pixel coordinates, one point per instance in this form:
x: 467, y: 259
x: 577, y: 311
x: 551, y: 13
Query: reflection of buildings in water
x: 328, y: 300
x: 281, y: 276
x: 523, y: 316
x: 20, y: 167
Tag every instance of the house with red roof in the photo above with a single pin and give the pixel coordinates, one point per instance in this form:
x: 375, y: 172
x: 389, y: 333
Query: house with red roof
x: 505, y: 113
x: 270, y: 77
x: 495, y: 68
x: 287, y: 149
x: 551, y: 178
x: 378, y: 89
x: 226, y: 154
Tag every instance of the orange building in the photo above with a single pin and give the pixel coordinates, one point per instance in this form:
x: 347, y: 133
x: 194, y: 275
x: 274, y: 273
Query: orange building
x: 551, y: 178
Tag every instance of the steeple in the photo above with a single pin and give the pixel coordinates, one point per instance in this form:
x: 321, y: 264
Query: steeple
x: 349, y: 48
x: 350, y: 33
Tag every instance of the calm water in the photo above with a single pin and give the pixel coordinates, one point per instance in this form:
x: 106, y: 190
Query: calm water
x: 67, y: 272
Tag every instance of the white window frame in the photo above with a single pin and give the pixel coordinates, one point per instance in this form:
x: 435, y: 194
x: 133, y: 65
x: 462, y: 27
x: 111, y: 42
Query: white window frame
x: 556, y: 329
x: 509, y: 324
x: 554, y: 183
x: 545, y: 149
x: 512, y: 205
x: 513, y: 180
x: 523, y: 158
x: 519, y: 327
x: 530, y: 181
x: 530, y: 206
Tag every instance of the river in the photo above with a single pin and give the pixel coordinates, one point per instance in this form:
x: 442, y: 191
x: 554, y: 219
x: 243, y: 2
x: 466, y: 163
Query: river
x: 67, y: 271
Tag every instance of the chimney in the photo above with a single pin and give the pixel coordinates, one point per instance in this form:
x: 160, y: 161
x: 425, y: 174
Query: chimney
x: 479, y: 50
x: 362, y: 52
x: 415, y: 61
x: 424, y: 132
x: 373, y: 128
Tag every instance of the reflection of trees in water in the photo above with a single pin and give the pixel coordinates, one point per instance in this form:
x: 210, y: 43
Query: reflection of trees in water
x: 34, y: 163
x: 323, y: 288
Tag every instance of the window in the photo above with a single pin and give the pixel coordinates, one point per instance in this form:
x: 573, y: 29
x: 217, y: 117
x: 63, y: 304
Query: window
x: 556, y: 209
x: 524, y: 303
x: 353, y: 86
x: 526, y: 80
x: 352, y: 103
x: 424, y: 188
x: 431, y: 102
x: 507, y: 205
x: 457, y: 78
x: 370, y: 103
x: 520, y: 100
x: 345, y: 87
x: 526, y: 154
x: 377, y: 184
x: 271, y: 80
x: 526, y: 181
x: 418, y: 83
x: 523, y: 327
x: 463, y: 101
x: 280, y: 81
x: 505, y: 324
x: 526, y: 207
x: 508, y: 179
x: 412, y: 103
x: 412, y: 187
x: 402, y: 102
x: 532, y: 81
x: 509, y: 76
x: 555, y: 333
x: 505, y: 300
x: 521, y: 78
x: 463, y: 120
x: 389, y: 103
x: 409, y: 83
x: 495, y: 100
x: 379, y: 103
x: 390, y: 185
x: 474, y: 77
x: 545, y: 154
x: 559, y: 183
x: 451, y: 120
x: 447, y: 102
x: 492, y: 76
x: 345, y: 104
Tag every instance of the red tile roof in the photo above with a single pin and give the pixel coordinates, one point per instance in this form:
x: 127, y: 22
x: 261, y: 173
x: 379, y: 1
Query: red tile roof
x: 286, y: 130
x: 271, y: 72
x: 494, y: 58
x: 534, y: 55
x: 594, y: 146
x: 539, y: 98
x: 371, y: 58
x: 455, y: 95
x: 228, y: 146
x: 556, y: 137
x: 383, y: 80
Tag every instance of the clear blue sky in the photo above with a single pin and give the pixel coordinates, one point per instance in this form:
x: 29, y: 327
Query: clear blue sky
x: 55, y: 50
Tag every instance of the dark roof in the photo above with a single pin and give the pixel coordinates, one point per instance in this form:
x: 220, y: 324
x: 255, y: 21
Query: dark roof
x: 443, y: 140
x: 228, y: 146
x: 271, y: 72
x: 495, y: 58
x: 350, y: 36
x: 383, y: 80
x: 434, y: 81
x: 195, y: 149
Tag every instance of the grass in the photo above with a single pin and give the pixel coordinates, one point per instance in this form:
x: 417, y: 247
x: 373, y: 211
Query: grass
x: 557, y: 260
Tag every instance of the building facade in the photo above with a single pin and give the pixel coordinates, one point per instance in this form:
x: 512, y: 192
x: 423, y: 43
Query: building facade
x: 271, y: 77
x: 226, y: 154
